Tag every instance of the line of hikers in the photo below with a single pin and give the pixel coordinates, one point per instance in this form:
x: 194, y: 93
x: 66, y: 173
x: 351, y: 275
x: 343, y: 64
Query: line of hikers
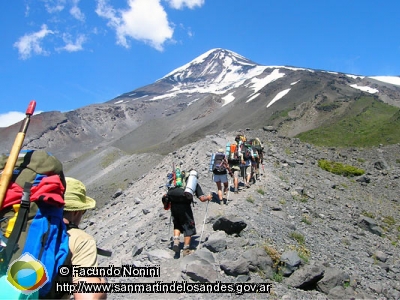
x: 42, y: 210
x: 240, y: 158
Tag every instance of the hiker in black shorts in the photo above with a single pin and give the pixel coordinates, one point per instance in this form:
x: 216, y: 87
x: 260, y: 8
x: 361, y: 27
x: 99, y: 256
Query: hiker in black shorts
x: 182, y: 216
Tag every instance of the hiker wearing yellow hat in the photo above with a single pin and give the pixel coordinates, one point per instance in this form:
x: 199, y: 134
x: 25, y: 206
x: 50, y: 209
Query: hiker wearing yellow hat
x: 75, y: 196
x: 82, y: 245
x: 220, y: 171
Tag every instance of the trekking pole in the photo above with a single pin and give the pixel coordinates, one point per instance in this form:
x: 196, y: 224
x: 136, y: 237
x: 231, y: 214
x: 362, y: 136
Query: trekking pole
x: 204, y: 223
x: 169, y: 228
x: 262, y: 165
x: 229, y: 189
x: 12, y: 158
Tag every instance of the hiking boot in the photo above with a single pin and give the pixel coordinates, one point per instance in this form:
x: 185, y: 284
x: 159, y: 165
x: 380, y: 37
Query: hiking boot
x: 175, y: 247
x: 236, y: 191
x: 247, y: 185
x: 187, y: 252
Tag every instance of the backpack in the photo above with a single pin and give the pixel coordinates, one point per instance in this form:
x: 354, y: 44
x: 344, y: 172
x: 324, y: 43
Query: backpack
x: 175, y: 193
x: 257, y: 147
x: 33, y: 235
x: 246, y: 151
x: 256, y: 144
x: 240, y: 138
x: 233, y: 157
x: 218, y: 165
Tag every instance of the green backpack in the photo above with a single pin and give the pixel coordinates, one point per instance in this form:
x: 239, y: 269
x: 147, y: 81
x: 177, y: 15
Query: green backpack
x: 33, y: 235
x: 175, y: 193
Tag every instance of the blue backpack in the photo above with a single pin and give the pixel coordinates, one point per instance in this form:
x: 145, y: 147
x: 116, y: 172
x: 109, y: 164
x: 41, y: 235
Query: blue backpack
x: 34, y: 239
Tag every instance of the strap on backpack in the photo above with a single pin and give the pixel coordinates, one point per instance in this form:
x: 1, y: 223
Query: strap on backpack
x: 20, y: 226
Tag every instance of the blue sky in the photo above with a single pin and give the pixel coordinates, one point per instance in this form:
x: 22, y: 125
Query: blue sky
x: 67, y: 54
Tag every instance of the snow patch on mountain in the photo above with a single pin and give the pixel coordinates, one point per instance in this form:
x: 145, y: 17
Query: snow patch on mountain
x: 258, y: 83
x: 278, y: 96
x: 254, y: 96
x: 365, y: 88
x: 389, y: 79
x: 354, y: 76
x: 228, y: 99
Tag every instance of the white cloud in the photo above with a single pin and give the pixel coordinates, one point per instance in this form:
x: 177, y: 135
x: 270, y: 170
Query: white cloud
x: 179, y: 4
x: 145, y: 20
x: 31, y: 43
x: 11, y: 118
x: 76, y: 12
x: 27, y: 10
x: 54, y: 6
x: 73, y: 46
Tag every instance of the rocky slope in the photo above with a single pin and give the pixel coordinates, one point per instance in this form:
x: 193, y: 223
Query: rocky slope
x: 309, y: 233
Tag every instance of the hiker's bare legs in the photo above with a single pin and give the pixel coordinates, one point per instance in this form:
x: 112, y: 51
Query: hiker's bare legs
x: 186, y: 242
x: 236, y: 183
x: 186, y: 239
x: 226, y: 187
x: 219, y: 186
x: 236, y: 174
x: 246, y: 174
x: 177, y: 233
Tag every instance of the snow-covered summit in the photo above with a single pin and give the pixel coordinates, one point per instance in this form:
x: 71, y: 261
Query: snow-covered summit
x: 233, y: 77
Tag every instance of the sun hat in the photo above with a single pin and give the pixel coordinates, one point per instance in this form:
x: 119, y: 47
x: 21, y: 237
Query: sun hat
x: 75, y: 196
x: 220, y: 150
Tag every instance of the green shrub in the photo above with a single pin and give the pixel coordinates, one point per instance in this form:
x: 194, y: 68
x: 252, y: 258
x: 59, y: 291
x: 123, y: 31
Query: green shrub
x: 250, y: 199
x: 389, y: 220
x: 298, y: 237
x: 339, y: 168
x: 303, y: 252
x: 368, y: 214
x: 306, y: 220
x: 277, y: 277
x: 261, y: 191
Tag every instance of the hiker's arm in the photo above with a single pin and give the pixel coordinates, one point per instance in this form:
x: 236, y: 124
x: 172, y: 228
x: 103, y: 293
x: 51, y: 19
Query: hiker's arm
x: 205, y: 198
x: 202, y: 198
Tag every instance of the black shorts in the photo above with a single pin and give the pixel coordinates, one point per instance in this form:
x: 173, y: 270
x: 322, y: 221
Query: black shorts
x: 182, y: 216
